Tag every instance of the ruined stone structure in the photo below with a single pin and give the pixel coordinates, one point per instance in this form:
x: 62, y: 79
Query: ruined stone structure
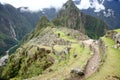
x: 111, y: 34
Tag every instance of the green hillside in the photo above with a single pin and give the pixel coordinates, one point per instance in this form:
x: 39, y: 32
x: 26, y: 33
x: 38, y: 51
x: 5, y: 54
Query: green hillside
x: 70, y: 16
x: 29, y: 61
x: 13, y: 27
x: 65, y: 49
x: 110, y: 68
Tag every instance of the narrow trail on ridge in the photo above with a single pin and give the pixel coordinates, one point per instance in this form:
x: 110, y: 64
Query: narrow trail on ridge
x: 93, y: 62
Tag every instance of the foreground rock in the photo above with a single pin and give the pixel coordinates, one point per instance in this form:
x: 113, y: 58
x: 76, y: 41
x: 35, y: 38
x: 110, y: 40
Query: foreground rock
x: 3, y: 60
x: 77, y: 72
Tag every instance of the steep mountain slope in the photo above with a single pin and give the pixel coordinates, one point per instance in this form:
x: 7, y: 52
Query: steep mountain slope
x: 15, y: 23
x: 41, y: 56
x: 55, y: 48
x: 15, y: 19
x: 71, y: 17
x: 48, y: 46
x: 33, y: 17
x: 110, y: 15
x: 13, y: 26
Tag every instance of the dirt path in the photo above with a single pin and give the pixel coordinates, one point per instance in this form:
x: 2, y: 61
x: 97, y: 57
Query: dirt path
x: 94, y: 61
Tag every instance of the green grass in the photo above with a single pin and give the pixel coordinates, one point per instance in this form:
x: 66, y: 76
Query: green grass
x: 65, y: 37
x: 65, y: 66
x: 2, y: 36
x: 111, y: 66
x: 118, y: 30
x: 30, y: 66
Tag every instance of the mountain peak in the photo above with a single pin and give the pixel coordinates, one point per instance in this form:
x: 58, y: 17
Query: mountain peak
x: 69, y: 4
x: 43, y: 22
x: 71, y: 17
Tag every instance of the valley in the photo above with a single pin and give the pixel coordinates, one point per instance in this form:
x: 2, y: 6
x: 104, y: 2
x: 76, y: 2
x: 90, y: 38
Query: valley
x: 71, y: 46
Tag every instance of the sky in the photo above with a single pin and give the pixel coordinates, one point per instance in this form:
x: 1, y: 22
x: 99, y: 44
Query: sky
x: 36, y: 5
x: 97, y: 6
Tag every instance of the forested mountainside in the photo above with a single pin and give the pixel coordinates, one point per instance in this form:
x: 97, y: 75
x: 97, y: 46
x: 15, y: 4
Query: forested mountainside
x: 71, y: 17
x: 110, y: 15
x: 21, y: 18
x: 55, y: 46
x: 16, y: 23
x: 13, y: 26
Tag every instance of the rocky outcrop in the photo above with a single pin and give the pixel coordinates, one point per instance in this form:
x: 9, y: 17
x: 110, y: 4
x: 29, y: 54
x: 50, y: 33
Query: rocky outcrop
x: 3, y: 60
x: 77, y: 72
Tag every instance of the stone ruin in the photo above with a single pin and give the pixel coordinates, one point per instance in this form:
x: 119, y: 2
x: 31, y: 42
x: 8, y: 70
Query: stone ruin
x: 111, y: 34
x: 102, y: 49
x: 117, y: 41
x: 115, y: 36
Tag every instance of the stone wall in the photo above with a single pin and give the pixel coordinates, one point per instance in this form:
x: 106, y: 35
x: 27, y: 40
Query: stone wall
x: 102, y: 48
x: 117, y: 40
x: 111, y: 34
x: 115, y: 36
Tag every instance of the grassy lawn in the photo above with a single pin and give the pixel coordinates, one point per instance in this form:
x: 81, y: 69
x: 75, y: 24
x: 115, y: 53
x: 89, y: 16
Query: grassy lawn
x: 111, y: 67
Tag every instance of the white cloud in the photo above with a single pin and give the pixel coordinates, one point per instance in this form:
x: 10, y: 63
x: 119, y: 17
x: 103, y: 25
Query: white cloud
x: 98, y: 6
x: 85, y: 4
x: 35, y: 4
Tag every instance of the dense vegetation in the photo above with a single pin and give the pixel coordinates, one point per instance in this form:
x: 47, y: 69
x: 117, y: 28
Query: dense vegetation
x: 70, y: 16
x: 22, y: 22
x: 31, y: 58
x: 110, y: 15
x: 35, y: 56
x: 13, y: 26
x: 54, y: 47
